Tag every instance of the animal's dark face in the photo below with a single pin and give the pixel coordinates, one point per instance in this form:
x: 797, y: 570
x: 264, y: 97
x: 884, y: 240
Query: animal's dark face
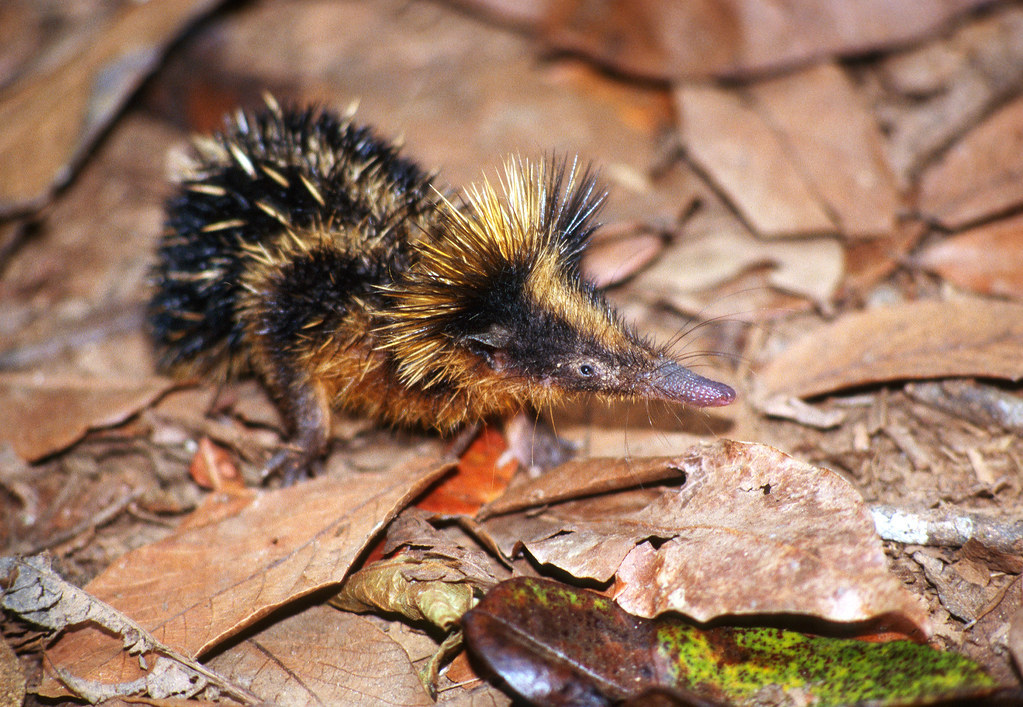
x: 558, y: 332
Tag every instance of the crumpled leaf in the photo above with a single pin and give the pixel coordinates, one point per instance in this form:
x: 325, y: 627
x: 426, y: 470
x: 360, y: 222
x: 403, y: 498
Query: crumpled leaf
x: 558, y: 645
x: 236, y: 560
x: 924, y: 339
x: 750, y: 531
x: 420, y: 589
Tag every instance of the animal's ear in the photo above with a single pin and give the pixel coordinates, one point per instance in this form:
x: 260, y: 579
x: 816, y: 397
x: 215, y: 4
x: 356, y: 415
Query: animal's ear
x: 494, y: 337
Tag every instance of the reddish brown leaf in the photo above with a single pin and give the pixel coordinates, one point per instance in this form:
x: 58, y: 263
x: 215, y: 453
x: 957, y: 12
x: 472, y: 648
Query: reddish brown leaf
x: 981, y: 175
x: 840, y: 150
x: 40, y: 414
x: 666, y: 39
x: 910, y: 341
x: 226, y: 570
x: 744, y: 156
x: 477, y: 480
x: 751, y: 530
x: 987, y: 259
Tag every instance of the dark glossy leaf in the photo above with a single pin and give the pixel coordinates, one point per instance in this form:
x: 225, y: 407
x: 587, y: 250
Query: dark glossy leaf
x: 554, y: 644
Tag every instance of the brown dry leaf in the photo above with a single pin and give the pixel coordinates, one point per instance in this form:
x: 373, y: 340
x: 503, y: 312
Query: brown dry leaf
x: 462, y: 94
x: 228, y: 568
x: 671, y: 40
x: 609, y: 261
x: 716, y: 251
x: 41, y: 414
x: 745, y: 157
x: 576, y: 479
x: 987, y: 259
x: 751, y: 531
x: 323, y: 656
x: 924, y: 339
x: 939, y: 91
x: 981, y: 175
x: 52, y: 119
x: 839, y: 149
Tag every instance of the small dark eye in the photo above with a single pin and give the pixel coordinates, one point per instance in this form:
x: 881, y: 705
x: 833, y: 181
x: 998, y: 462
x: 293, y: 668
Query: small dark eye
x: 586, y: 370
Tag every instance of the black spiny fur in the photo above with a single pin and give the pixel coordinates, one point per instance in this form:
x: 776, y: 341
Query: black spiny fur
x: 307, y: 250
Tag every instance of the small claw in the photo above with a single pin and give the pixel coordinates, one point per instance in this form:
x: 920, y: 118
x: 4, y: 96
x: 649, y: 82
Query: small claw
x: 292, y: 465
x: 678, y: 384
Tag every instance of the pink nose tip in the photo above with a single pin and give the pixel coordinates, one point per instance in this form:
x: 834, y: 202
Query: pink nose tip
x: 679, y: 384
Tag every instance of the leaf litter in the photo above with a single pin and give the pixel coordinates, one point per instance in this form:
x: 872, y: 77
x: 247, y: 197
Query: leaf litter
x: 896, y: 112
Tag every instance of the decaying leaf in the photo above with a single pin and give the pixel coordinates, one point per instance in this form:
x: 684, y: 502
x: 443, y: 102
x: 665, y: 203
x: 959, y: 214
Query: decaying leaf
x: 751, y: 530
x: 559, y: 645
x: 227, y: 568
x: 925, y: 339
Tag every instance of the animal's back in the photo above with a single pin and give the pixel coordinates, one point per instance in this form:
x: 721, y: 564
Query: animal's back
x: 272, y: 185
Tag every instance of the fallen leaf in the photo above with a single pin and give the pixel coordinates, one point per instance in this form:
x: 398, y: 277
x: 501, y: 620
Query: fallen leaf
x: 741, y: 153
x: 987, y: 259
x: 608, y: 261
x: 751, y: 530
x: 42, y: 414
x: 224, y: 571
x: 924, y: 339
x: 708, y: 256
x: 728, y: 38
x: 52, y: 119
x: 323, y: 656
x: 944, y: 88
x: 840, y: 151
x: 477, y: 480
x: 558, y: 645
x: 981, y: 175
x: 576, y: 479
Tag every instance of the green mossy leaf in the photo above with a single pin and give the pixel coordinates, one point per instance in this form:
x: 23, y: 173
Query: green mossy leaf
x: 555, y: 644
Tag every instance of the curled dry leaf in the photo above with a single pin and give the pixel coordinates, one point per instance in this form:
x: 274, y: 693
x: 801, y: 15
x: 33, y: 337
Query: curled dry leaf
x: 987, y: 259
x: 751, y: 531
x: 41, y: 415
x: 225, y: 570
x: 925, y: 339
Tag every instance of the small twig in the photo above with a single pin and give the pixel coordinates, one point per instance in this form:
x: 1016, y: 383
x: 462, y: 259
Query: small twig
x: 947, y: 527
x: 31, y: 590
